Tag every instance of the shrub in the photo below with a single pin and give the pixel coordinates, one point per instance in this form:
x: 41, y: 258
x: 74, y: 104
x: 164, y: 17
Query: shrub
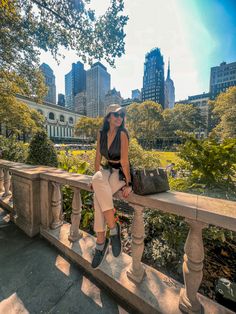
x: 77, y: 163
x: 140, y: 158
x: 42, y: 151
x: 87, y: 212
x: 166, y: 235
x: 210, y: 163
x: 12, y: 149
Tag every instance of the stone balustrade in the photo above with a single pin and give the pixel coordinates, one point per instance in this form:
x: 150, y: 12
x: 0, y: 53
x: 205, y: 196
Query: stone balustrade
x: 37, y: 207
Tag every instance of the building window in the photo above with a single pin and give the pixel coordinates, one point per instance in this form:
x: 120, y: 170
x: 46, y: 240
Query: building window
x: 62, y: 118
x: 51, y: 116
x: 71, y: 120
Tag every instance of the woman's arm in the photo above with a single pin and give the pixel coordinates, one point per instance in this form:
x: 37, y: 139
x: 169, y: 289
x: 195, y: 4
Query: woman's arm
x: 98, y: 154
x: 124, y: 157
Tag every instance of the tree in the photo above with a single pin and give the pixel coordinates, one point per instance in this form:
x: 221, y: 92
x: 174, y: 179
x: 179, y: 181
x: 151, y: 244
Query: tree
x: 133, y: 118
x: 209, y: 162
x: 224, y: 114
x: 29, y: 26
x: 18, y: 119
x: 145, y: 121
x: 183, y: 117
x: 26, y: 26
x: 88, y: 127
x: 42, y: 151
x: 13, y: 150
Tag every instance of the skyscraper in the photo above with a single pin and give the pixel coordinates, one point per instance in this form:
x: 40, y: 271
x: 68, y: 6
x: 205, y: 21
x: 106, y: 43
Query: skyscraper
x: 112, y: 97
x: 75, y: 82
x: 222, y: 77
x: 98, y: 82
x: 49, y: 82
x: 80, y: 103
x: 153, y: 78
x: 169, y: 90
x: 61, y: 100
x: 136, y: 94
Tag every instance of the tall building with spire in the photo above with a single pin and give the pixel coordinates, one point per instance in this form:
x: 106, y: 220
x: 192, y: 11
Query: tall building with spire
x: 49, y: 82
x: 153, y: 78
x: 169, y: 90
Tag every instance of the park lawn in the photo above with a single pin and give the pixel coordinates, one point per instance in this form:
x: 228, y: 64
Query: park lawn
x: 165, y: 157
x: 77, y: 152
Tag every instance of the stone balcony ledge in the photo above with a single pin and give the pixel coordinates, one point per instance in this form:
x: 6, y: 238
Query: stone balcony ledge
x: 214, y: 211
x: 218, y: 212
x: 37, y: 206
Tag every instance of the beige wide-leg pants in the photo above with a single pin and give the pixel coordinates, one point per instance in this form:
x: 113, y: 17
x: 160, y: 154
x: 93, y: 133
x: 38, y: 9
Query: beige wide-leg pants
x: 105, y: 184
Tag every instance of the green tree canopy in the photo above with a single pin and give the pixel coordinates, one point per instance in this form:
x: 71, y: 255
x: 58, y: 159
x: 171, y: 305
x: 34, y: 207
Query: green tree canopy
x: 18, y: 118
x: 145, y: 121
x: 224, y: 111
x: 28, y: 26
x: 210, y: 162
x: 183, y: 117
x: 88, y: 127
x: 12, y: 149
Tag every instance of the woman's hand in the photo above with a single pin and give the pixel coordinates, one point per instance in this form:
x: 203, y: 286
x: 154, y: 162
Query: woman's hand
x: 126, y: 190
x: 91, y: 186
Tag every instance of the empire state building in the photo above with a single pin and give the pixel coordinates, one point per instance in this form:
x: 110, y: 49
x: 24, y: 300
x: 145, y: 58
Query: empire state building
x: 169, y: 90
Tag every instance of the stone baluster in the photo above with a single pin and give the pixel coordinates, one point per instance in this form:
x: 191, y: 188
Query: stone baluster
x: 137, y: 270
x: 7, y: 182
x: 75, y: 216
x: 56, y: 206
x: 192, y: 268
x: 1, y: 180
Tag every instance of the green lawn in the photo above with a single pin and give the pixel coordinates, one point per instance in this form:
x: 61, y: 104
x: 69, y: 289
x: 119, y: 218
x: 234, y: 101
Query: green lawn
x: 165, y: 157
x: 77, y: 152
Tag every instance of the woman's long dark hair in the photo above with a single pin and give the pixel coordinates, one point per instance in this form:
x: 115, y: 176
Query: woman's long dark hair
x: 106, y: 125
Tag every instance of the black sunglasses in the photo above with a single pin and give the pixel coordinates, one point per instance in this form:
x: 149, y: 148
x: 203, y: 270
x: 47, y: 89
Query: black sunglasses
x: 117, y: 114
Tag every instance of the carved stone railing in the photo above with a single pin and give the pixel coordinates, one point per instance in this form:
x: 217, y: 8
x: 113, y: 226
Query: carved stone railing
x: 6, y: 184
x: 5, y: 178
x: 37, y: 203
x: 51, y: 207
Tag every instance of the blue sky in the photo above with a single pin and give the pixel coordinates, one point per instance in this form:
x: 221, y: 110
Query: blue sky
x: 194, y: 34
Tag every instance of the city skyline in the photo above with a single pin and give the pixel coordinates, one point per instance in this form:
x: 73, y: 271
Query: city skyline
x: 185, y: 31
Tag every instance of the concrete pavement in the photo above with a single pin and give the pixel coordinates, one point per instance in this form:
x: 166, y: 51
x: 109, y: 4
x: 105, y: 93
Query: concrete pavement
x: 36, y: 278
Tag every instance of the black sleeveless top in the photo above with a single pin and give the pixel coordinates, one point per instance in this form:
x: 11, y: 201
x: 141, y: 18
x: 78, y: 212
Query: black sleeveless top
x: 115, y: 148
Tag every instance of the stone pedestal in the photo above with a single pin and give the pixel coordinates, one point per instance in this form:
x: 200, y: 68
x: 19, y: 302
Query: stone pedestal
x: 1, y: 180
x: 192, y: 268
x: 75, y: 216
x: 26, y: 202
x: 137, y: 271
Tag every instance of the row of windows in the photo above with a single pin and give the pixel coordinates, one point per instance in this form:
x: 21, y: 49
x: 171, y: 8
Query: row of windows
x: 219, y: 86
x: 230, y: 78
x: 151, y: 98
x: 51, y: 116
x: 55, y: 131
x: 224, y: 73
x: 148, y: 91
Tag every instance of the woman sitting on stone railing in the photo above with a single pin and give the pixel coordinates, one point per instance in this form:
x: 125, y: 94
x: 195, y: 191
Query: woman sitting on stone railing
x: 110, y: 177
